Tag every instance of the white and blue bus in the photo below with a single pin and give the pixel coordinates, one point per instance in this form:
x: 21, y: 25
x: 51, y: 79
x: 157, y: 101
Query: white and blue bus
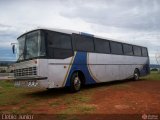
x: 62, y: 58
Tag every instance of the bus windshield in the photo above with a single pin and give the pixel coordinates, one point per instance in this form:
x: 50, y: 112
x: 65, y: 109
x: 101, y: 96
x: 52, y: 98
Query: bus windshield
x: 31, y: 45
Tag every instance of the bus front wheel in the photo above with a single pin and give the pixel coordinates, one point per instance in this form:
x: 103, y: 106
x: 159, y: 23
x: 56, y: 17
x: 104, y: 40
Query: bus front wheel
x: 76, y: 83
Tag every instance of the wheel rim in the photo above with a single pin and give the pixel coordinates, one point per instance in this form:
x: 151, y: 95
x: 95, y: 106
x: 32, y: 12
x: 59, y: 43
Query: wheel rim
x: 136, y: 76
x: 77, y: 83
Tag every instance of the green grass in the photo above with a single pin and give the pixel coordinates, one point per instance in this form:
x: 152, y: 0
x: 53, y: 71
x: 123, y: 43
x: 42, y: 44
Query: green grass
x: 14, y: 97
x: 7, y: 94
x: 152, y: 76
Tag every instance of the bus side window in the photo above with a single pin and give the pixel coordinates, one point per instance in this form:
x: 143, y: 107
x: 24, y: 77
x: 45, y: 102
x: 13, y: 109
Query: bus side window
x: 59, y: 45
x: 137, y: 51
x: 144, y: 52
x: 101, y: 46
x: 116, y: 48
x: 128, y: 50
x: 83, y: 43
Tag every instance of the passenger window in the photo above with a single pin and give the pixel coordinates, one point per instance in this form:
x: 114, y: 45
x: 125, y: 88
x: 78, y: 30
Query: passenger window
x: 137, y: 50
x: 144, y: 52
x: 101, y: 46
x: 59, y: 45
x: 59, y: 40
x: 116, y: 48
x: 83, y: 43
x: 127, y: 49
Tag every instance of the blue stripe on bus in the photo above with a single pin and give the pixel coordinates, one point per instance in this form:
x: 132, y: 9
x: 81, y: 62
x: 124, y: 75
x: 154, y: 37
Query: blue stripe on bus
x: 80, y: 63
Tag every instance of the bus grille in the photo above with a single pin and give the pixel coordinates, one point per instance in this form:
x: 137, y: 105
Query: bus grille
x: 26, y: 71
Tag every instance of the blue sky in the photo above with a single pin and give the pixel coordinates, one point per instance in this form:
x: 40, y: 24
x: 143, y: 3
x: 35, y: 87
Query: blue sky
x: 133, y: 21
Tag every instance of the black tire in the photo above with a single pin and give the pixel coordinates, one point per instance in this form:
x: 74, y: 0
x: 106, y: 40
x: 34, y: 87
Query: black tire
x: 136, y: 74
x: 75, y: 84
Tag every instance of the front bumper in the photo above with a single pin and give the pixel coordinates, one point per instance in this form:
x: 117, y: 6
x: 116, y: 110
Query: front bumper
x: 29, y: 78
x: 36, y: 81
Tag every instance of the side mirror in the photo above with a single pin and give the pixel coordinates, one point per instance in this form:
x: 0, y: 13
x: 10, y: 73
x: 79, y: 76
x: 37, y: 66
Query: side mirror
x: 13, y: 49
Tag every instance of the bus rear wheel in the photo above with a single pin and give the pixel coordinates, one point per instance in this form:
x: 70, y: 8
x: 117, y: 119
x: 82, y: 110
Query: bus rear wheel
x: 75, y: 82
x: 136, y: 74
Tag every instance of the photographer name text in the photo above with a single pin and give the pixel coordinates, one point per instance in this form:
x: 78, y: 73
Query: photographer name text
x: 17, y: 117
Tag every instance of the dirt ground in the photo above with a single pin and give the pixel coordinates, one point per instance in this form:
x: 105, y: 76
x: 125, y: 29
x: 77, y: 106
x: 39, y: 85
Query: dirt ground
x: 137, y: 97
x: 129, y: 101
x: 115, y: 100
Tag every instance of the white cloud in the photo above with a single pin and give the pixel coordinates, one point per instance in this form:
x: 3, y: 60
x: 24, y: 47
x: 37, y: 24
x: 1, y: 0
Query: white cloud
x: 134, y: 21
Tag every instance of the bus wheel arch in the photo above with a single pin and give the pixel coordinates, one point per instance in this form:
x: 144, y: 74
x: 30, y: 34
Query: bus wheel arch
x: 136, y: 74
x: 77, y: 76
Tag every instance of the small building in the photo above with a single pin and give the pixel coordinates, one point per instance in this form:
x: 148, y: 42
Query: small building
x: 3, y: 68
x: 6, y: 66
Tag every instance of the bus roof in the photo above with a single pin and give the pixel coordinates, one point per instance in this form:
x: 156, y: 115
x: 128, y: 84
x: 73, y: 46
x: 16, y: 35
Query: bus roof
x: 77, y: 32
